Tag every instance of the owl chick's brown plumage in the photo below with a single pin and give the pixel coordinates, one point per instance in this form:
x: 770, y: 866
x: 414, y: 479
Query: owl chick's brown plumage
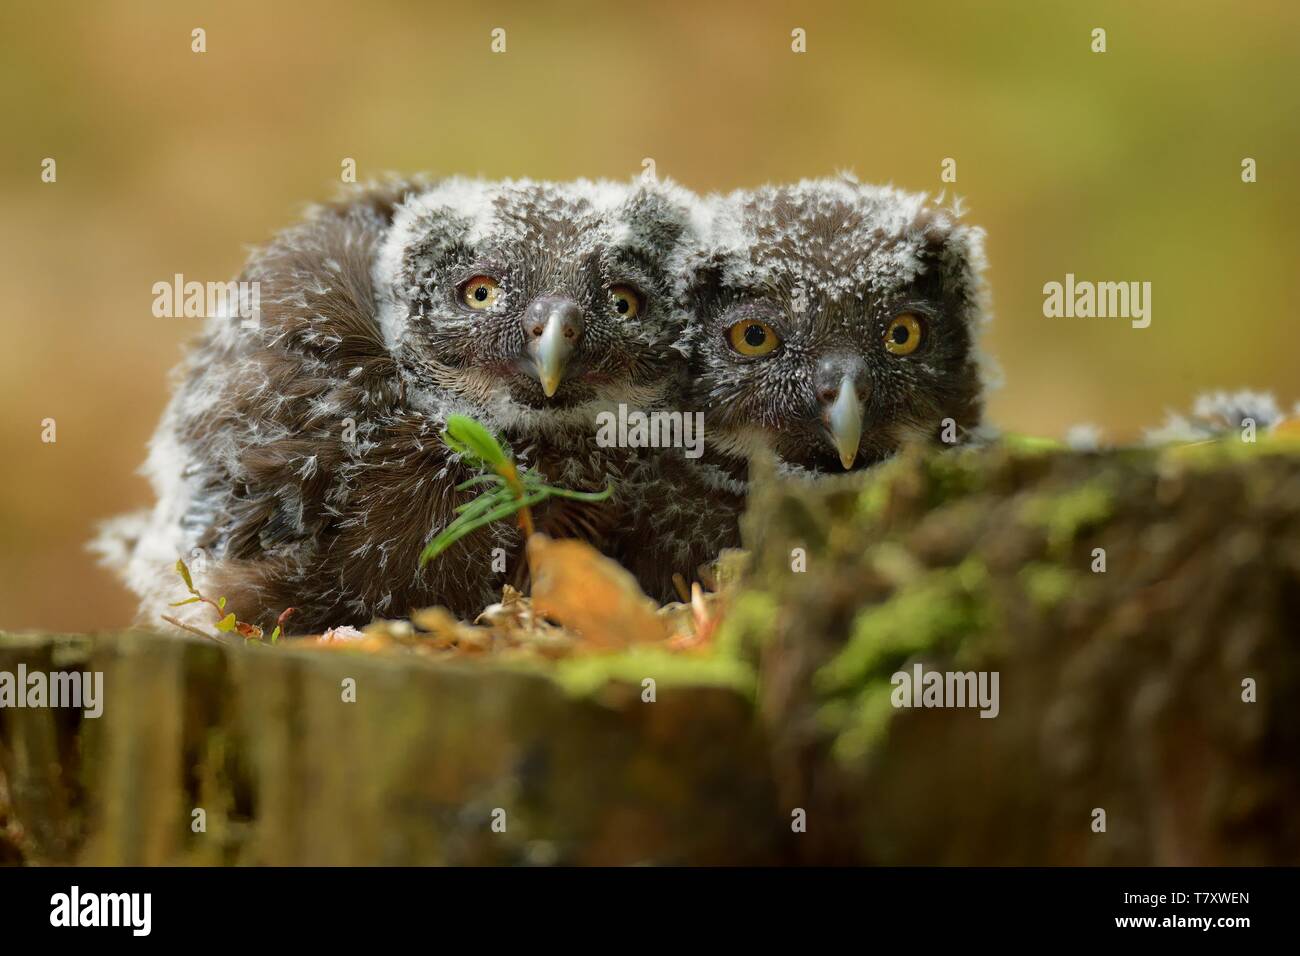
x: 301, y: 460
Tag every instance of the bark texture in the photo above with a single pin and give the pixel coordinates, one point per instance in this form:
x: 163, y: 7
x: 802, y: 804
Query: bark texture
x: 1127, y: 691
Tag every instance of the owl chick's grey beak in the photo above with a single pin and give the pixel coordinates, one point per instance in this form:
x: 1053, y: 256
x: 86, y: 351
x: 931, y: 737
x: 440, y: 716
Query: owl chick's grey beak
x: 553, y: 327
x: 844, y: 421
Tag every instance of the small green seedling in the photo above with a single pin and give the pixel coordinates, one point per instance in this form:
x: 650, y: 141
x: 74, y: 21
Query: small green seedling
x: 226, y: 622
x: 509, y: 491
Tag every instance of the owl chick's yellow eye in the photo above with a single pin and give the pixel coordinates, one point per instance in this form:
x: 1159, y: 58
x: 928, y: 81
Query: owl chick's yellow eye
x: 753, y: 338
x: 480, y: 292
x: 627, y: 301
x: 903, y: 337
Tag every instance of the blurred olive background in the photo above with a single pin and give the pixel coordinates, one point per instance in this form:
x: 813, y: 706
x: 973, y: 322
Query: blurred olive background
x: 1115, y: 166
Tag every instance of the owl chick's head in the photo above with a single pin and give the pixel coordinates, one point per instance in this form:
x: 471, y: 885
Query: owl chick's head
x: 534, y: 301
x: 834, y: 321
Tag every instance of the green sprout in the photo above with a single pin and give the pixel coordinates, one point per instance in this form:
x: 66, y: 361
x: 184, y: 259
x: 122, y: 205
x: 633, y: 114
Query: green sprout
x: 227, y: 622
x: 509, y: 491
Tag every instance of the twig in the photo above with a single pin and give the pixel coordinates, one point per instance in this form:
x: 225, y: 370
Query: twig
x: 193, y: 630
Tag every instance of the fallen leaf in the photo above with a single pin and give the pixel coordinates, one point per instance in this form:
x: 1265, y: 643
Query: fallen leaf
x: 586, y: 592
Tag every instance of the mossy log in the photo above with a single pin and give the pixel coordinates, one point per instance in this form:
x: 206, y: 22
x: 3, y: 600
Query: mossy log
x: 1160, y: 690
x: 416, y: 770
x: 1142, y: 609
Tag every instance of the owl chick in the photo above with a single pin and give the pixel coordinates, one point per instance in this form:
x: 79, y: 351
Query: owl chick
x: 303, y: 459
x: 830, y: 322
x: 833, y: 322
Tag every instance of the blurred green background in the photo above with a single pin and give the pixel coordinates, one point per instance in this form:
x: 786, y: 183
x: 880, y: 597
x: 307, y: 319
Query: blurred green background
x: 1115, y: 166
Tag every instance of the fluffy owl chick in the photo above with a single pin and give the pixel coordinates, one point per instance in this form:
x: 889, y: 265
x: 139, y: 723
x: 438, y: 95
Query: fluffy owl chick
x: 830, y: 323
x: 303, y: 456
x: 834, y: 321
x: 534, y: 308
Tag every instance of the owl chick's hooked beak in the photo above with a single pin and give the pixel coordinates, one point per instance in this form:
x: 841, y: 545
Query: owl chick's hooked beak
x: 844, y: 421
x: 553, y: 327
x: 842, y: 392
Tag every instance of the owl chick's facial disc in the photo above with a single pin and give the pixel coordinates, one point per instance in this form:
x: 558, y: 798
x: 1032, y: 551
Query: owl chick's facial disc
x: 834, y: 321
x: 531, y: 298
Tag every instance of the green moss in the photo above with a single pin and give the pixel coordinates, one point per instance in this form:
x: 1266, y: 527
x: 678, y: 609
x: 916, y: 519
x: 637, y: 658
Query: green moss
x: 943, y: 476
x: 938, y: 614
x: 1031, y: 444
x: 1066, y: 515
x: 874, y: 497
x: 932, y: 614
x: 951, y: 474
x: 863, y: 724
x: 1047, y: 585
x: 749, y: 623
x: 1230, y: 450
x: 584, y: 676
x: 878, y: 486
x: 1279, y: 443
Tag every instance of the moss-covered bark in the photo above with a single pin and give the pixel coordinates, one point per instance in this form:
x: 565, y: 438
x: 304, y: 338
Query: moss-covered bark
x: 411, y: 772
x: 1119, y: 690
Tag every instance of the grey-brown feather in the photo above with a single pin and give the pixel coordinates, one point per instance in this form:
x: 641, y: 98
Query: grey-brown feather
x: 303, y: 456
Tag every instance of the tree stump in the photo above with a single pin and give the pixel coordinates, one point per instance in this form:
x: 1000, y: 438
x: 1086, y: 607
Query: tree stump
x: 1139, y: 607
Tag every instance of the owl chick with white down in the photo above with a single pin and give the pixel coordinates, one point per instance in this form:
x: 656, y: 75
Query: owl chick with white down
x: 303, y: 456
x: 832, y: 322
x: 835, y: 321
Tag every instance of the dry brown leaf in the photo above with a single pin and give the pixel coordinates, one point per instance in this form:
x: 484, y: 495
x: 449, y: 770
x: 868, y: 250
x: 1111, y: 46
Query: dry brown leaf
x: 444, y: 629
x: 586, y: 592
x: 596, y: 604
